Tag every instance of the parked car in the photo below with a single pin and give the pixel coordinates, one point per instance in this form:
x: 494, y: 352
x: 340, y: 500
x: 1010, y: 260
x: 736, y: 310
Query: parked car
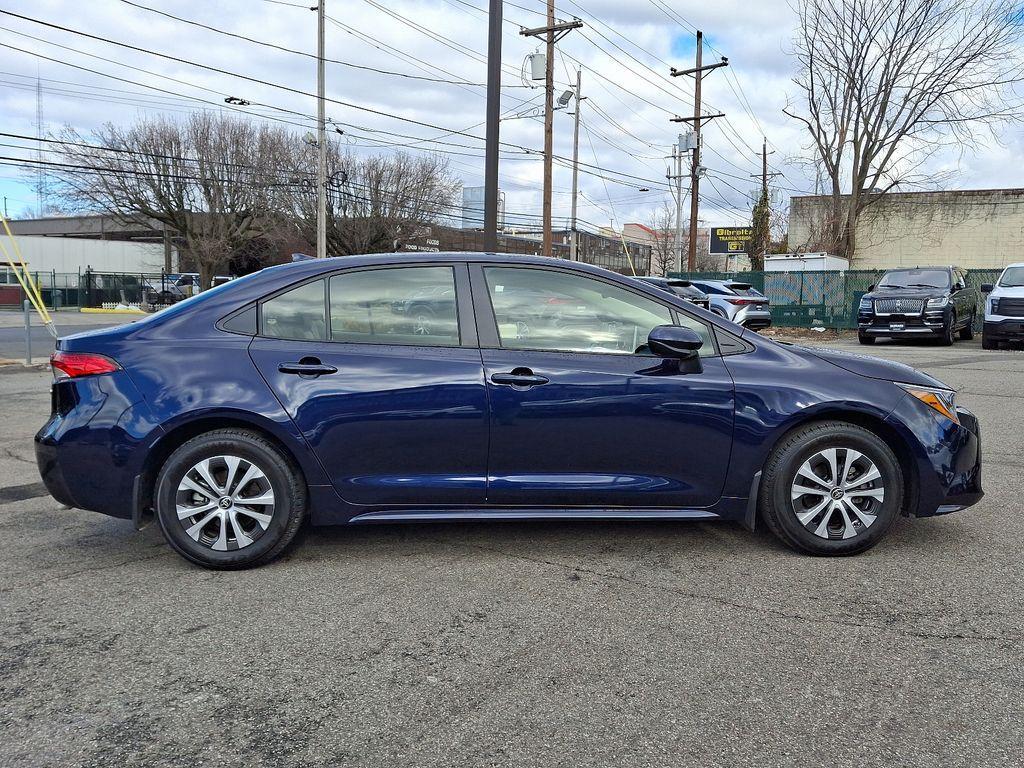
x: 921, y: 302
x: 295, y: 393
x: 1004, y: 308
x: 739, y: 302
x: 684, y: 289
x: 157, y: 294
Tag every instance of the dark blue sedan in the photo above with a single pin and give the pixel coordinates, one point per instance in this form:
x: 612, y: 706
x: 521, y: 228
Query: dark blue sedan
x: 519, y: 388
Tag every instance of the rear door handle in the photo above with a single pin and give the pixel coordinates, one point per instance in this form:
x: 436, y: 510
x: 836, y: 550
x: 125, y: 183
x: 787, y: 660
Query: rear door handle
x: 519, y: 379
x: 307, y: 368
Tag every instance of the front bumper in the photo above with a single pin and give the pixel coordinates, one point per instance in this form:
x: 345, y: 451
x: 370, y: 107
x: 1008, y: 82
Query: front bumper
x: 1005, y: 330
x: 931, y: 322
x: 947, y: 457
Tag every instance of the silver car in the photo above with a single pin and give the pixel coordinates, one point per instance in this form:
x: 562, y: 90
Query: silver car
x: 739, y: 302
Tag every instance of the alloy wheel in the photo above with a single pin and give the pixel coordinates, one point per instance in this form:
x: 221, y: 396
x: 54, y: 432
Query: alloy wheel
x: 225, y: 503
x: 837, y: 493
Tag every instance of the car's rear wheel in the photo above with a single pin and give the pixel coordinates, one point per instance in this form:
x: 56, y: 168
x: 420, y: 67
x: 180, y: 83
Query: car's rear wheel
x: 229, y: 499
x: 831, y: 488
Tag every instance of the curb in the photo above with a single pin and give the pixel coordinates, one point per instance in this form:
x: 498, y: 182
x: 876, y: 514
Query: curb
x: 96, y: 311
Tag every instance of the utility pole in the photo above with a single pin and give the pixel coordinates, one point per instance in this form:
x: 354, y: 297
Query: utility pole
x: 574, y: 244
x: 764, y: 167
x: 549, y: 127
x: 675, y: 173
x: 40, y: 173
x: 321, y: 138
x: 491, y: 200
x: 697, y: 119
x: 552, y: 33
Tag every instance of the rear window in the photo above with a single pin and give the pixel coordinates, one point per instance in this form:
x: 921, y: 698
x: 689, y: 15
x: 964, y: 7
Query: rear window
x: 742, y: 289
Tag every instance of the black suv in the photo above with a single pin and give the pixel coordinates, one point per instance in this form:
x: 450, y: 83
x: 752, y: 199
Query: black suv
x: 925, y: 301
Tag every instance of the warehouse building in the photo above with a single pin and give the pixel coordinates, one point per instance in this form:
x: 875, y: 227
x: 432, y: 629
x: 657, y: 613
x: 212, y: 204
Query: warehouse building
x: 976, y: 229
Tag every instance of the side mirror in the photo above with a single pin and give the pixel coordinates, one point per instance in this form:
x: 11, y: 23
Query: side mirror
x: 674, y: 341
x: 987, y: 287
x: 871, y: 288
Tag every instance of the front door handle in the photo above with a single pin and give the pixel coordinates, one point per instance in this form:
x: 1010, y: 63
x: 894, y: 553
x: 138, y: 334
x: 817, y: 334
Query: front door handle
x: 307, y: 367
x: 519, y: 378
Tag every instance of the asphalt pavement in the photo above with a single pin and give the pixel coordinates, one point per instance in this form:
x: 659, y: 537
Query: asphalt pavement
x: 520, y: 644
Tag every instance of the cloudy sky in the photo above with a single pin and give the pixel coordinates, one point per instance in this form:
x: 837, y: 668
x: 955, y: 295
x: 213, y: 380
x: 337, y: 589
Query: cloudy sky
x: 429, y: 96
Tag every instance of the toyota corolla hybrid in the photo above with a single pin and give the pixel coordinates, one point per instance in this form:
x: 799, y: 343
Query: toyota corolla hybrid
x: 534, y: 388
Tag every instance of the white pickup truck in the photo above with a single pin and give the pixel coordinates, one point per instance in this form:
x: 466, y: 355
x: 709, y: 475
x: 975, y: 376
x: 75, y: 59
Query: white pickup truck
x: 1004, y: 308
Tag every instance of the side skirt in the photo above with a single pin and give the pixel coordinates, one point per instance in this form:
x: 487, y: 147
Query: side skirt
x: 533, y: 514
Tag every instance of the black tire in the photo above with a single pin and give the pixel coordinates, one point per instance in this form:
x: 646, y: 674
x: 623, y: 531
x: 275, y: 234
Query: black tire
x: 987, y: 342
x: 779, y: 510
x: 967, y: 332
x: 278, y: 472
x: 863, y: 338
x: 949, y: 332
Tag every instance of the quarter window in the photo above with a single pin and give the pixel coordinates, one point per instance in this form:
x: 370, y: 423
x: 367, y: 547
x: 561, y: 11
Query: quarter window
x: 399, y: 305
x: 298, y: 314
x: 556, y: 311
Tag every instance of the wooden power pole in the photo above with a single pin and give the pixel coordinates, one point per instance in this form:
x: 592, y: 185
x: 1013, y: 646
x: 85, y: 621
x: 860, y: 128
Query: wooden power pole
x: 493, y: 127
x: 553, y: 32
x: 697, y: 120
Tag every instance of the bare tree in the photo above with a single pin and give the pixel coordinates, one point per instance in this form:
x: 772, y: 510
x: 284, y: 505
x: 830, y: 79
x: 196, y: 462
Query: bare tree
x: 663, y: 257
x: 886, y: 84
x: 375, y: 204
x: 214, y: 180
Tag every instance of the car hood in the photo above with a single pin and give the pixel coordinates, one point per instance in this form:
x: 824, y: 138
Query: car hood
x: 906, y: 293
x: 1009, y: 292
x: 874, y: 367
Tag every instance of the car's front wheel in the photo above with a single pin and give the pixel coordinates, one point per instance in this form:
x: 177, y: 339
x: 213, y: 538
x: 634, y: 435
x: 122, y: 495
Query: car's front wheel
x: 831, y: 488
x: 229, y: 499
x: 967, y: 332
x: 949, y: 332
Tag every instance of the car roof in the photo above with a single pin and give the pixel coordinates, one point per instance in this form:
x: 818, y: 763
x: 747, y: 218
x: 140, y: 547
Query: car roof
x: 309, y: 267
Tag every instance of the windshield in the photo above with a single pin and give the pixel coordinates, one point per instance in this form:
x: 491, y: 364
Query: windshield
x: 915, y: 278
x: 1012, y: 277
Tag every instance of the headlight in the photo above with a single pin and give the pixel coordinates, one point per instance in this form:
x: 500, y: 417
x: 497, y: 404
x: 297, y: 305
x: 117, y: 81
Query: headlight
x: 865, y: 302
x: 941, y: 400
x: 938, y: 301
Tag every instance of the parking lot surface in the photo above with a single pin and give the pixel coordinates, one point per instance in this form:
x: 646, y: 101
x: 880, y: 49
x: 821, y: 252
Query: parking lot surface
x: 589, y: 644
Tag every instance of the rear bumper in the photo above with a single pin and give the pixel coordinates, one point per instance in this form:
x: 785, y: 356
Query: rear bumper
x: 753, y: 318
x: 947, y: 455
x: 90, y: 454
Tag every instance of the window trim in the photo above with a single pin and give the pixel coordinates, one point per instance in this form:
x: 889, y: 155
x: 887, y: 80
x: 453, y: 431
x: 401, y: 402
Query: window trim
x: 487, y: 321
x: 463, y: 304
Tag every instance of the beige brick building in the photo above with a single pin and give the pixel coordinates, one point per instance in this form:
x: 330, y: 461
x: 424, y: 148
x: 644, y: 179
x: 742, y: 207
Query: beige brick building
x: 975, y: 229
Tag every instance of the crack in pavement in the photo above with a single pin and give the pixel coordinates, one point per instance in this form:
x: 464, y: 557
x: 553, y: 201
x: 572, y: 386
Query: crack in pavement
x: 765, y: 610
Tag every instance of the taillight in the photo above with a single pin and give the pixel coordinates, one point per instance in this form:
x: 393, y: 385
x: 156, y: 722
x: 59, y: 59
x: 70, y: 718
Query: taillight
x: 71, y: 365
x: 743, y: 302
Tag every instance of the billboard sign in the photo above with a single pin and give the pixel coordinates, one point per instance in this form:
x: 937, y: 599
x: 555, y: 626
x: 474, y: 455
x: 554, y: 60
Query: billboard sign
x: 726, y: 240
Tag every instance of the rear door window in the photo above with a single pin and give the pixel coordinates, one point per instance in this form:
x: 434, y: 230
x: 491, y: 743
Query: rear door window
x: 395, y: 305
x: 299, y: 314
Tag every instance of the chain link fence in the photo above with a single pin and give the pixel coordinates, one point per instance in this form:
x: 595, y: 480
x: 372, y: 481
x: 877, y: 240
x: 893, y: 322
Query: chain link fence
x: 829, y: 299
x: 90, y: 289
